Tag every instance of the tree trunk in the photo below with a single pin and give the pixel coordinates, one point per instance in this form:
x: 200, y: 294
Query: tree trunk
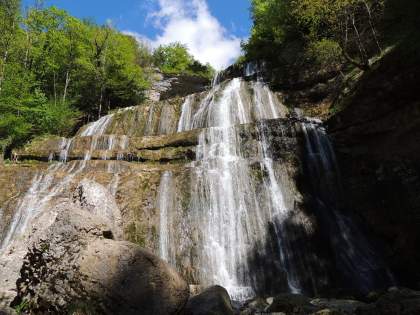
x: 66, y: 86
x: 100, y: 103
x: 2, y: 70
x: 55, y: 92
x: 372, y: 27
x: 354, y: 62
x: 363, y: 54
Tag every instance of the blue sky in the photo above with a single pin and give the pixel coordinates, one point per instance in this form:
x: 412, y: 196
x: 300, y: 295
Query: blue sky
x: 212, y: 29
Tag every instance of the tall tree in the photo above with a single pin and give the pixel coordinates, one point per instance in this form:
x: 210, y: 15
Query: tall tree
x: 9, y: 17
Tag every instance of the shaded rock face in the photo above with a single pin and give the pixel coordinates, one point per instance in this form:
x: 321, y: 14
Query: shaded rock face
x: 311, y: 90
x: 74, y: 265
x: 376, y: 136
x: 212, y: 301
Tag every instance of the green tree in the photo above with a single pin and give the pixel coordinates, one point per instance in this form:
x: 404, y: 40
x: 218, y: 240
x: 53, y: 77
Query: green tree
x: 175, y: 59
x: 288, y: 32
x: 9, y: 19
x: 55, y: 68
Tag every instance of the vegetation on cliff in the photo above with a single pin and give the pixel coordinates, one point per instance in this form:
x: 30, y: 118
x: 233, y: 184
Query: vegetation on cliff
x: 175, y: 59
x: 54, y: 66
x: 56, y: 69
x: 316, y: 32
x: 327, y: 33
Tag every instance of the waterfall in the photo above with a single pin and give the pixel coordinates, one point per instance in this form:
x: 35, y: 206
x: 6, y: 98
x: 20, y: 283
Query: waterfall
x: 166, y: 199
x: 227, y: 206
x: 239, y: 225
x: 49, y: 183
x: 98, y: 127
x: 64, y: 149
x: 43, y: 188
x: 186, y: 112
x: 355, y: 254
x: 148, y: 129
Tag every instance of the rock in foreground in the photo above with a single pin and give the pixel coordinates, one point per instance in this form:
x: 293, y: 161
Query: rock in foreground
x: 212, y: 301
x: 76, y: 266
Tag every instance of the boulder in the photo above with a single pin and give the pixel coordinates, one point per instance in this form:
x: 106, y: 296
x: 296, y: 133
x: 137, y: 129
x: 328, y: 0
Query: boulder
x: 256, y: 305
x: 212, y: 301
x: 76, y: 266
x: 132, y: 280
x: 293, y: 304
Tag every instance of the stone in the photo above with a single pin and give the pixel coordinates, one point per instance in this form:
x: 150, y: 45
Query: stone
x: 95, y: 198
x: 254, y: 306
x: 293, y: 304
x: 132, y: 280
x: 75, y: 266
x: 329, y: 312
x: 340, y: 306
x: 397, y: 301
x: 212, y: 301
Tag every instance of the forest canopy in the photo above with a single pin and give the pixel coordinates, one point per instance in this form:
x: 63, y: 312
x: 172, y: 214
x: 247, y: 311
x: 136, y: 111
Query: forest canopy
x: 316, y: 32
x: 175, y: 59
x: 56, y: 69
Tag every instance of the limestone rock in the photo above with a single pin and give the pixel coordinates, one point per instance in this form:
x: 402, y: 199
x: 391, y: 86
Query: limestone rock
x: 96, y: 199
x: 212, y: 301
x: 75, y: 266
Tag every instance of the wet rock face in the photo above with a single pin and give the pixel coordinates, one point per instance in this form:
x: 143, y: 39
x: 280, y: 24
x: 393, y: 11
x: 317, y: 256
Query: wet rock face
x: 75, y: 265
x: 376, y: 136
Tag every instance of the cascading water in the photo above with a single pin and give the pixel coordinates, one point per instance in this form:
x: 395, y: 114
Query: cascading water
x: 48, y: 184
x: 43, y: 188
x: 356, y: 257
x: 166, y: 198
x: 241, y: 223
x: 228, y: 206
x: 241, y: 228
x: 97, y: 127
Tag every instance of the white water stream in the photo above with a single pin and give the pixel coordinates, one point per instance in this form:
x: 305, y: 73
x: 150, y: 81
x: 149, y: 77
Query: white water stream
x: 228, y: 208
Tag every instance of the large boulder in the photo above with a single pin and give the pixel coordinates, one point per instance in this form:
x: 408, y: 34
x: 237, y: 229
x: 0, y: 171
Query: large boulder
x: 132, y: 280
x: 212, y: 301
x: 77, y: 266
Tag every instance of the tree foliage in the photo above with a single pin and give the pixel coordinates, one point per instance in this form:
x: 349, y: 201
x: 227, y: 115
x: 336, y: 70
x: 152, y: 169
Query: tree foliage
x: 175, y: 59
x: 296, y: 31
x: 55, y: 68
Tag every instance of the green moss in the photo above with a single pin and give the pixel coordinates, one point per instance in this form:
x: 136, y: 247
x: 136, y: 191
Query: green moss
x: 136, y: 234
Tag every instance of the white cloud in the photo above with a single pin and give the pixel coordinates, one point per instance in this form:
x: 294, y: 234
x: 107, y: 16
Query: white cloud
x: 191, y: 23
